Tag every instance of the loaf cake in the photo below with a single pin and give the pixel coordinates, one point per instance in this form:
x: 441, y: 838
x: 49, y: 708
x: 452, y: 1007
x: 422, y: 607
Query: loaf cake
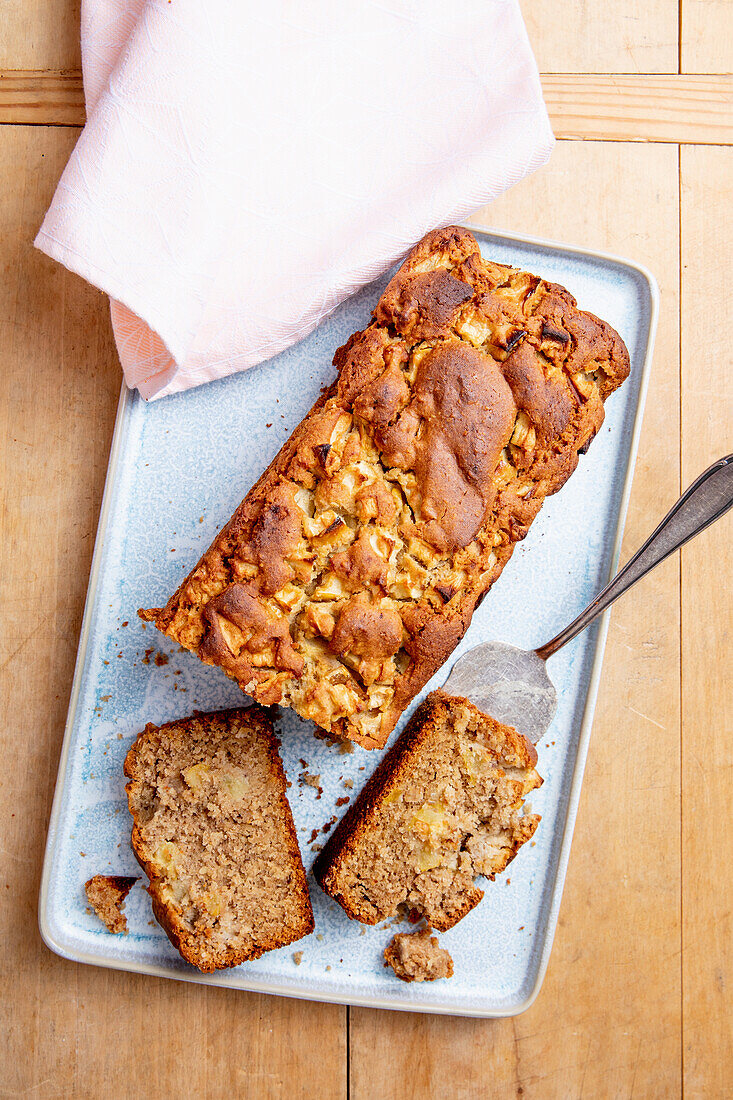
x: 444, y: 805
x: 418, y: 957
x: 352, y: 568
x: 214, y: 833
x: 106, y: 894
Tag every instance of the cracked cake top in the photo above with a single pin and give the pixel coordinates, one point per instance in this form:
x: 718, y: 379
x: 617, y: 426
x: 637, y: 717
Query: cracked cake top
x: 352, y: 568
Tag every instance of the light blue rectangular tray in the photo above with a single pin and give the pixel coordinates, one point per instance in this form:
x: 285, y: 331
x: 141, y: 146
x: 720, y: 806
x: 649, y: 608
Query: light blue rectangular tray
x: 177, y: 470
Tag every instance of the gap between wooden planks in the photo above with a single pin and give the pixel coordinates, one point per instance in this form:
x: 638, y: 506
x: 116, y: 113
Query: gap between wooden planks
x: 675, y: 108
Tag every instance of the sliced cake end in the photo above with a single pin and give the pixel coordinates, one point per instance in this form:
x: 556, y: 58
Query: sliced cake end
x: 214, y: 832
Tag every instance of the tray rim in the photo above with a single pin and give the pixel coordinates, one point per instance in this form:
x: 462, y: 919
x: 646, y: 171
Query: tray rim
x: 250, y: 983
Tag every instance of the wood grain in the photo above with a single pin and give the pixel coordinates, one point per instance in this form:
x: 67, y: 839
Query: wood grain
x: 682, y: 109
x: 74, y: 1031
x: 707, y: 36
x: 707, y: 629
x: 40, y: 34
x: 607, y: 1022
x: 43, y: 98
x: 593, y: 36
x: 608, y: 108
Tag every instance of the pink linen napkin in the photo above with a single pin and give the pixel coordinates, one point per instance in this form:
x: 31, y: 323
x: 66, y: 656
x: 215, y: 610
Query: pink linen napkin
x: 247, y: 165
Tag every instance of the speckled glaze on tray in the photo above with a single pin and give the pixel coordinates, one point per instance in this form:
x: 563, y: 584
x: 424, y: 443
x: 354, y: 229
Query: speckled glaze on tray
x: 178, y: 468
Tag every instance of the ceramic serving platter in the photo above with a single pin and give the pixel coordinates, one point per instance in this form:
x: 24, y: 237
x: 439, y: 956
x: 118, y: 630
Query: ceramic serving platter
x: 177, y: 470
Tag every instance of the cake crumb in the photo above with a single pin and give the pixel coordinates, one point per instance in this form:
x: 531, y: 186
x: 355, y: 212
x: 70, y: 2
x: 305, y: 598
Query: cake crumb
x: 349, y: 784
x: 342, y: 801
x: 297, y: 957
x: 417, y: 957
x: 161, y: 659
x: 106, y: 895
x: 306, y: 779
x: 346, y: 747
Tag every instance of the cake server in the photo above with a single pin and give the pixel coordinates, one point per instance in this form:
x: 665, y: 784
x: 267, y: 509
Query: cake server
x: 513, y: 685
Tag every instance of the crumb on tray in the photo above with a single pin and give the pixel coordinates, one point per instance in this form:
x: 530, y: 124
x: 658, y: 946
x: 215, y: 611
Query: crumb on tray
x: 417, y: 957
x: 106, y: 894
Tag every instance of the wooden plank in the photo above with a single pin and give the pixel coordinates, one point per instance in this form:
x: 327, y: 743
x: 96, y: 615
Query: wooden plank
x: 73, y: 1030
x: 42, y: 98
x: 40, y: 34
x: 597, y: 37
x: 707, y: 628
x: 684, y: 109
x: 607, y: 1021
x: 641, y: 108
x: 707, y: 36
x: 593, y: 36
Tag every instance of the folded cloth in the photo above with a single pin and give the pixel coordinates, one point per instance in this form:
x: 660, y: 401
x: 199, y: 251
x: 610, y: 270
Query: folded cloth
x: 245, y: 166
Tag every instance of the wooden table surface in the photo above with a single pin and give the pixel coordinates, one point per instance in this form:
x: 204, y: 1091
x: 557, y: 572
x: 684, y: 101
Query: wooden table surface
x: 637, y: 999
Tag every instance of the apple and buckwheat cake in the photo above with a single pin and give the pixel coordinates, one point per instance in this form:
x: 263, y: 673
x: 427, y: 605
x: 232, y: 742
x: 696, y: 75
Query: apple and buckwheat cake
x: 353, y: 566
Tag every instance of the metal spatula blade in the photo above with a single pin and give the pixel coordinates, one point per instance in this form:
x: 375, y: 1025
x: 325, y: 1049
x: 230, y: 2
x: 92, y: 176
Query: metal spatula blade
x: 512, y: 685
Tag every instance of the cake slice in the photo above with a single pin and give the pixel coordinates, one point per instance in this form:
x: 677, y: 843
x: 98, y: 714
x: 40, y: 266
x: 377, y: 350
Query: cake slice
x: 106, y: 894
x: 214, y: 833
x: 418, y: 957
x: 353, y: 566
x: 444, y: 806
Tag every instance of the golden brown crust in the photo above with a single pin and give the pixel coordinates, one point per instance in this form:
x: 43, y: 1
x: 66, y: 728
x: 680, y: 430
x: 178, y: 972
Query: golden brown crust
x: 206, y: 741
x: 352, y: 568
x: 372, y: 823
